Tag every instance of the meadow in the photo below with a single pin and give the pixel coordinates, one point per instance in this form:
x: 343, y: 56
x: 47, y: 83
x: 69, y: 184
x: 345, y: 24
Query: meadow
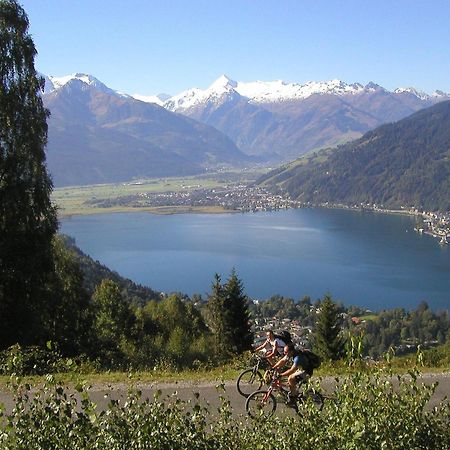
x: 76, y: 200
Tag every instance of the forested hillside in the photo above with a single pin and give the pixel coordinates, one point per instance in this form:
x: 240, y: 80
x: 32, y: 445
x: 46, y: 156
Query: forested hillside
x: 406, y: 163
x: 401, y: 329
x: 94, y: 272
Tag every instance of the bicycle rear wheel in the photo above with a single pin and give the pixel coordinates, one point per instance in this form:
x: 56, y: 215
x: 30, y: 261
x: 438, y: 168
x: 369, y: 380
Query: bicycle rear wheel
x: 315, y: 398
x: 260, y: 405
x: 249, y: 381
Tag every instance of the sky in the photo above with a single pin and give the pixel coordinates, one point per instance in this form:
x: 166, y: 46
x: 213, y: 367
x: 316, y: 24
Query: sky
x: 150, y: 47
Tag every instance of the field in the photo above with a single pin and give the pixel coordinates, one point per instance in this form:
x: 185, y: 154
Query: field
x: 76, y: 200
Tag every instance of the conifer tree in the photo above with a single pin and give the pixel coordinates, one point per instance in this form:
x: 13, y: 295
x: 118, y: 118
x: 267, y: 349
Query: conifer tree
x: 237, y: 303
x: 328, y: 342
x: 229, y: 316
x: 217, y: 317
x: 27, y: 218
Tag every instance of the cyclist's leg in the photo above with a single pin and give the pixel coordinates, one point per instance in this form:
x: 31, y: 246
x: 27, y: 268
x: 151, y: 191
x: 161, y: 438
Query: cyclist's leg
x: 295, y: 379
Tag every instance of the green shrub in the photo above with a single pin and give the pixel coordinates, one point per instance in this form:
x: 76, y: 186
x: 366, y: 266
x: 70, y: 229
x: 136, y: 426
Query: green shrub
x: 370, y: 410
x: 32, y: 360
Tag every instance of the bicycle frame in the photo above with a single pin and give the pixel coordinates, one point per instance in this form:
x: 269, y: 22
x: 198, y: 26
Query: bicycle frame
x: 263, y: 402
x: 277, y: 385
x: 251, y: 378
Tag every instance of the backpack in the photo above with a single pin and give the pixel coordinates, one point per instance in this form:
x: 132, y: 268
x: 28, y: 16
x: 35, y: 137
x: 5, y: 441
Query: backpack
x: 285, y: 336
x: 314, y: 360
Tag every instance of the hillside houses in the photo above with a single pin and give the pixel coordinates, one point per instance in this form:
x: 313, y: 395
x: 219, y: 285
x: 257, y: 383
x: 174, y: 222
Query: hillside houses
x: 301, y: 335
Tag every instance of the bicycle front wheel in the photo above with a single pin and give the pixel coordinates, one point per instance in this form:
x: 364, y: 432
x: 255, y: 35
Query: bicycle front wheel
x: 249, y: 381
x: 260, y: 405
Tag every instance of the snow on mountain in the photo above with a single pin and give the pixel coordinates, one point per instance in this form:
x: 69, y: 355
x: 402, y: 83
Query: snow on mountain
x: 278, y: 91
x: 413, y: 91
x: 54, y: 83
x: 157, y: 99
x: 149, y: 99
x: 438, y: 94
x: 223, y: 86
x: 263, y: 91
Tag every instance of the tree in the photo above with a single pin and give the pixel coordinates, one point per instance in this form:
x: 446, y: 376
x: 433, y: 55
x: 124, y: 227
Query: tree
x: 113, y: 320
x: 237, y: 303
x: 70, y: 319
x: 217, y: 319
x: 228, y: 316
x: 27, y: 218
x: 328, y: 341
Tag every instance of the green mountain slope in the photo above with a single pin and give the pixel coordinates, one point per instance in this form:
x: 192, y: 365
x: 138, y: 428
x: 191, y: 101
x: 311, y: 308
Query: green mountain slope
x: 94, y: 272
x: 406, y: 163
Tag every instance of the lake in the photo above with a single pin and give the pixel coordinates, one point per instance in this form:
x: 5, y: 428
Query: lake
x: 368, y: 259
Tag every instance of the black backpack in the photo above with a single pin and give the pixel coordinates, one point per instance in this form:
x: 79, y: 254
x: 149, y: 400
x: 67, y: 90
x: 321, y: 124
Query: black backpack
x: 314, y: 360
x: 285, y: 336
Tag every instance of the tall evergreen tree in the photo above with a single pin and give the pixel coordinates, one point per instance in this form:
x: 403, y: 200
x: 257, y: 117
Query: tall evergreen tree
x: 218, y: 320
x: 27, y: 218
x: 328, y: 342
x: 229, y: 316
x: 237, y: 303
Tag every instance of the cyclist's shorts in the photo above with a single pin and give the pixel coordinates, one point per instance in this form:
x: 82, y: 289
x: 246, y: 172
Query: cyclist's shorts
x: 301, y: 375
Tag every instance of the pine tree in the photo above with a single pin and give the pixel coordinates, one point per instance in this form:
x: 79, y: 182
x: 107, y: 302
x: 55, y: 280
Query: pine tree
x: 229, y: 316
x: 218, y: 320
x: 27, y: 218
x: 328, y: 341
x: 237, y: 303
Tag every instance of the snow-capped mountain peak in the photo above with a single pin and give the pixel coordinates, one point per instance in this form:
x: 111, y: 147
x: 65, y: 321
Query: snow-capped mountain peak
x: 223, y: 83
x: 439, y: 93
x: 59, y: 82
x: 221, y: 88
x: 276, y: 91
x: 413, y: 91
x: 54, y: 83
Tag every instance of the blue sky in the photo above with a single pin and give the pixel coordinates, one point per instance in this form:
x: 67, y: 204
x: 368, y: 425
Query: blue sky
x: 166, y: 46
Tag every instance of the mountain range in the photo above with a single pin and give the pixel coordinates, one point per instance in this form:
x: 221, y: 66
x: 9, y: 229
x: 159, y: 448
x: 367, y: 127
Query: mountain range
x: 99, y: 135
x: 402, y: 164
x: 280, y: 121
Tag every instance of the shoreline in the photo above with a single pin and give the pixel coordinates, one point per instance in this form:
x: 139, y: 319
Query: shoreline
x: 431, y: 220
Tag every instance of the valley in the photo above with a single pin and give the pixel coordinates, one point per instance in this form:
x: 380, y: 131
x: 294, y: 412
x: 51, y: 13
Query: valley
x: 223, y: 191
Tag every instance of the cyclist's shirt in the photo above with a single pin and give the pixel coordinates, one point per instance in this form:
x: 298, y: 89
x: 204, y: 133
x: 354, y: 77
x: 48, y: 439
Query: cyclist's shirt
x: 279, y: 343
x: 302, y: 361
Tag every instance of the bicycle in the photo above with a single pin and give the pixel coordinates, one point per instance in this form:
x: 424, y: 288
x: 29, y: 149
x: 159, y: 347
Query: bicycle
x: 251, y: 380
x: 262, y: 404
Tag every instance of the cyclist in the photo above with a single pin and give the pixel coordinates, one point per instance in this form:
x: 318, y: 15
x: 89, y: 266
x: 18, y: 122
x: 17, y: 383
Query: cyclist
x: 298, y: 373
x: 274, y: 347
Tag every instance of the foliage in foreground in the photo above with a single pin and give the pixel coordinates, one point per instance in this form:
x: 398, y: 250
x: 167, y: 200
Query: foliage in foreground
x: 370, y: 410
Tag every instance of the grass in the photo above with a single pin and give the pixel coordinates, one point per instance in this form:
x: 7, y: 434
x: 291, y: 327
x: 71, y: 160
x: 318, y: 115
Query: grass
x: 75, y: 200
x: 217, y: 374
x: 400, y: 365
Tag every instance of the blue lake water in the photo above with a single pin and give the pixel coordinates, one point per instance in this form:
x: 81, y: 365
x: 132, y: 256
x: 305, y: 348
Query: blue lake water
x: 367, y: 259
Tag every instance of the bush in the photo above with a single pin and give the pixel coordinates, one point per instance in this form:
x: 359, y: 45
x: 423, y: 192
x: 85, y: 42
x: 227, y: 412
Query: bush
x: 32, y: 360
x: 370, y: 410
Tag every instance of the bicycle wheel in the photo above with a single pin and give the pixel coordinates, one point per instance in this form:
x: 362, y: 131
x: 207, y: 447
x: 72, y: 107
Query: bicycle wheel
x: 260, y: 405
x: 249, y: 381
x: 316, y: 399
